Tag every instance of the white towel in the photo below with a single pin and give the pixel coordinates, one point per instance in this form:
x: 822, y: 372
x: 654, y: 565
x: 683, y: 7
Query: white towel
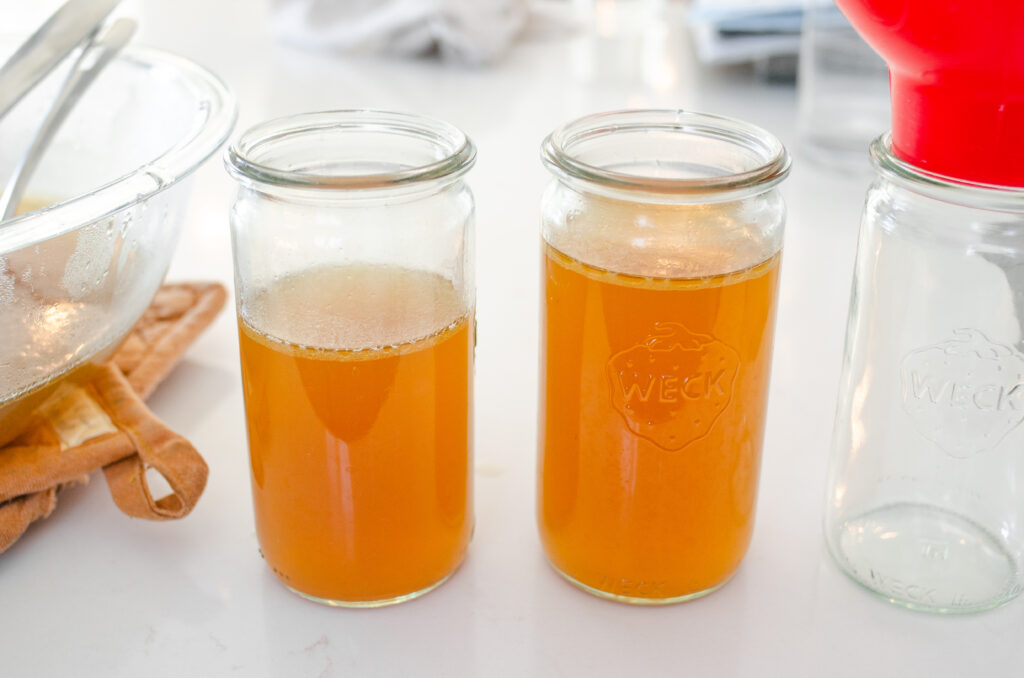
x: 470, y: 31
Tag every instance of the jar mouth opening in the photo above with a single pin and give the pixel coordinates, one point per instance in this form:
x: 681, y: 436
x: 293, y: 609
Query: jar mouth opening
x: 350, y: 150
x: 940, y: 186
x: 665, y: 151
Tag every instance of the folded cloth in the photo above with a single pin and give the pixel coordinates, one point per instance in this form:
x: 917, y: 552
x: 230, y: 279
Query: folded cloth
x: 471, y: 31
x: 97, y: 420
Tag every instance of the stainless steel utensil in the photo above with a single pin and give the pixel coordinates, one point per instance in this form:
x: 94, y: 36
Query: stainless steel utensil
x: 93, y: 58
x: 47, y: 47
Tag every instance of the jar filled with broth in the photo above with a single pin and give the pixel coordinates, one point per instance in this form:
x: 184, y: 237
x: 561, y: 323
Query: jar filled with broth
x: 662, y: 234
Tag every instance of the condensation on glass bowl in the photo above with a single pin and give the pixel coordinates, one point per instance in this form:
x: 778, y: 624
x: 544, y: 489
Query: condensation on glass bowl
x: 75, y: 276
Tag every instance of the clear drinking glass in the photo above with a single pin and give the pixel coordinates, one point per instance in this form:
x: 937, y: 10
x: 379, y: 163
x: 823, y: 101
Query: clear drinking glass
x: 843, y: 89
x: 925, y: 503
x: 353, y: 250
x: 662, y: 237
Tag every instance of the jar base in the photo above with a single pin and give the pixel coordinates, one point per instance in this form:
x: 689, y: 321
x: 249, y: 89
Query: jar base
x: 638, y: 600
x: 372, y: 603
x: 926, y: 558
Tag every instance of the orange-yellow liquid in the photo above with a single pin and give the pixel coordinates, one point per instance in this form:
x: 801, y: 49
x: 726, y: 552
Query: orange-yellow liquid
x: 652, y: 414
x: 360, y: 458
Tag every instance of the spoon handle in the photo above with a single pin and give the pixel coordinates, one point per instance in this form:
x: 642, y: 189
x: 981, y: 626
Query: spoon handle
x: 47, y: 47
x: 92, y: 60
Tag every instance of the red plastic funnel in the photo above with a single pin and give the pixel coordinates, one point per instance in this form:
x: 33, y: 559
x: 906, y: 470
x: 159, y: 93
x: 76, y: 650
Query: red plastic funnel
x: 956, y: 71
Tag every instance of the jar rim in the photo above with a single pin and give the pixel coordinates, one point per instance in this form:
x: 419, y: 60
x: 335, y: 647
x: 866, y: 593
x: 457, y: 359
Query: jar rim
x: 456, y: 151
x: 771, y: 167
x: 941, y: 186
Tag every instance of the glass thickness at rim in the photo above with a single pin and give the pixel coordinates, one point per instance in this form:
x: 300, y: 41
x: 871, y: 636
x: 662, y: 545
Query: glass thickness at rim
x: 942, y: 187
x: 457, y: 157
x: 558, y: 153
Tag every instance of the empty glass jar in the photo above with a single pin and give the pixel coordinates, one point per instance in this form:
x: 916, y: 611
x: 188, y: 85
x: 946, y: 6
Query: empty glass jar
x: 925, y: 503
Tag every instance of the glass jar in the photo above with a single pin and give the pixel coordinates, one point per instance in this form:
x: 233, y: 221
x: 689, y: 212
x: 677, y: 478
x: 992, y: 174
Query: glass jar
x: 842, y: 89
x: 662, y: 237
x: 353, y: 251
x: 925, y: 501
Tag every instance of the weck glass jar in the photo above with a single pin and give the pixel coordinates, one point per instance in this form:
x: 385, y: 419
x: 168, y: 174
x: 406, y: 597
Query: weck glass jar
x: 353, y: 249
x: 662, y: 237
x: 925, y: 502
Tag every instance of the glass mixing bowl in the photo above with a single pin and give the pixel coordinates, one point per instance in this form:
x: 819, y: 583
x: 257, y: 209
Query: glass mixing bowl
x: 76, y: 274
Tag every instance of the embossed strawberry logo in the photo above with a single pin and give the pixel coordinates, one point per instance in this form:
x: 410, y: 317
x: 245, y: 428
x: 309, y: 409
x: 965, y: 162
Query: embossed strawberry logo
x: 966, y: 394
x: 672, y: 387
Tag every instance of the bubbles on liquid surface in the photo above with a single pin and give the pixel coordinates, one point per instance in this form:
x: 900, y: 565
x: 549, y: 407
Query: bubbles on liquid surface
x: 665, y: 241
x: 355, y: 307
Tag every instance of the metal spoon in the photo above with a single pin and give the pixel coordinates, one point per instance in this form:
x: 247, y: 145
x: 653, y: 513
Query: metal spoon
x: 75, y: 21
x: 92, y: 60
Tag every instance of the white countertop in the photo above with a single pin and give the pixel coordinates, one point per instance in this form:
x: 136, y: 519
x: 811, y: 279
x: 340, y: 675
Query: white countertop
x: 89, y: 592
